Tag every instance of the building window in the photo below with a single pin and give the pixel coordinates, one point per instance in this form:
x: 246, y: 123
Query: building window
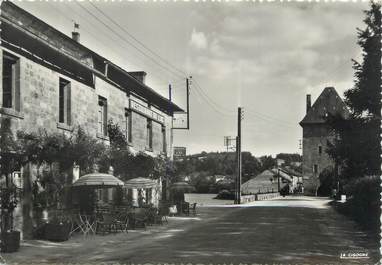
x: 320, y: 150
x: 102, y: 116
x: 128, y: 126
x: 64, y: 102
x: 149, y: 141
x: 164, y: 139
x: 315, y: 169
x: 11, y: 82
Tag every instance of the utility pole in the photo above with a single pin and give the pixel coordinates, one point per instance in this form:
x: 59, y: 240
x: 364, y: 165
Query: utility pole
x: 238, y: 155
x: 166, y: 182
x: 188, y: 102
x: 172, y: 121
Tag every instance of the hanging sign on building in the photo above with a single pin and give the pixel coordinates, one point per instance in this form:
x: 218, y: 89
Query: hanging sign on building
x: 180, y: 120
x: 137, y: 107
x: 179, y: 152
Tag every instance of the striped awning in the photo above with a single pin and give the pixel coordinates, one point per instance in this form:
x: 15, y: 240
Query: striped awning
x: 182, y: 186
x: 140, y: 183
x: 98, y: 180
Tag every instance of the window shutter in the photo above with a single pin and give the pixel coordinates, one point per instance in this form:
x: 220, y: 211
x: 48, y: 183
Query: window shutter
x: 68, y: 91
x: 16, y: 86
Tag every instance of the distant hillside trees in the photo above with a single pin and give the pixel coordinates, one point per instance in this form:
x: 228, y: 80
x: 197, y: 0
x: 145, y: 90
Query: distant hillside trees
x: 204, y: 167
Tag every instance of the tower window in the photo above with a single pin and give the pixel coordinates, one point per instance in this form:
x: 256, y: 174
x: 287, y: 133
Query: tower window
x: 320, y: 150
x: 315, y: 169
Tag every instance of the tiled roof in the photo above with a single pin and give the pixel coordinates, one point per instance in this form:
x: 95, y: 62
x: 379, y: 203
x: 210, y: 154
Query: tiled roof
x: 262, y: 182
x: 26, y: 34
x: 328, y: 102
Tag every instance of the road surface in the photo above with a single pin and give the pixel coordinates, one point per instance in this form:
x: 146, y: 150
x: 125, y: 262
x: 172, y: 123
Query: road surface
x: 294, y: 230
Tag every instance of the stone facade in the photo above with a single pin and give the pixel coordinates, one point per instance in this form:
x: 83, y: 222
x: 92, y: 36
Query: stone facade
x: 53, y: 76
x: 316, y: 135
x: 39, y: 93
x: 315, y: 139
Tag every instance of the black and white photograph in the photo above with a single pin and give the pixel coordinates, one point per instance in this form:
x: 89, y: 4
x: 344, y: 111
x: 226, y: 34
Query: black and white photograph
x: 190, y: 132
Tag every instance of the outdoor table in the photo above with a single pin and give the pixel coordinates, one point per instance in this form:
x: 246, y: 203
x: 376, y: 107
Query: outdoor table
x: 84, y: 223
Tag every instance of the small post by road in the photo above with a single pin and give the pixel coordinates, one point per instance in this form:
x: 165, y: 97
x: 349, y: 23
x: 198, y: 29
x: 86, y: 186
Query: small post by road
x: 278, y: 179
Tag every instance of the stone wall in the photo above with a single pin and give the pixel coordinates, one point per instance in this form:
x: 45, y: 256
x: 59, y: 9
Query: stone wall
x: 39, y: 88
x: 259, y: 197
x: 39, y: 96
x: 139, y: 132
x: 313, y: 137
x: 157, y: 138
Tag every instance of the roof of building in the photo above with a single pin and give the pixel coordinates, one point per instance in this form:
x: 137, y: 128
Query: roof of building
x: 27, y: 35
x: 290, y: 171
x: 266, y: 181
x: 328, y: 102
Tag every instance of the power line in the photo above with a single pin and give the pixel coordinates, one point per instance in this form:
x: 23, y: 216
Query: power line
x: 210, y: 99
x: 127, y: 41
x: 211, y: 105
x: 104, y: 34
x: 134, y: 38
x: 270, y: 121
x: 255, y: 113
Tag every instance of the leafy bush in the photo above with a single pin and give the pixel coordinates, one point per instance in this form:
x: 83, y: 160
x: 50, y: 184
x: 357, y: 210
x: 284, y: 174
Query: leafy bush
x: 364, y: 201
x: 364, y: 191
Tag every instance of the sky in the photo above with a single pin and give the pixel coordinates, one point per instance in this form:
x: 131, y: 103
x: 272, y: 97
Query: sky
x: 261, y: 56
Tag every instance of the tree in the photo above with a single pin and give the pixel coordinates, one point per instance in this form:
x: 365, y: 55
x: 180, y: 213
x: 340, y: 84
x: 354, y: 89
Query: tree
x: 267, y: 162
x: 9, y: 161
x: 250, y: 166
x: 55, y: 154
x: 9, y: 155
x: 117, y: 154
x: 356, y: 148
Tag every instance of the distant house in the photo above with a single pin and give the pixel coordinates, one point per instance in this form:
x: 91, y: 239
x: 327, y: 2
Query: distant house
x: 296, y: 163
x: 296, y: 178
x: 220, y: 178
x: 316, y: 134
x: 267, y: 181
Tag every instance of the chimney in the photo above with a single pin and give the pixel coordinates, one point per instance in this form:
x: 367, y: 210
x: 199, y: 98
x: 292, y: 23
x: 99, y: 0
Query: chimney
x: 76, y: 36
x: 308, y: 103
x: 139, y: 75
x: 75, y: 33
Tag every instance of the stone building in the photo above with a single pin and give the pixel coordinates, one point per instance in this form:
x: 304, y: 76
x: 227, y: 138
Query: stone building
x: 316, y: 134
x: 52, y: 81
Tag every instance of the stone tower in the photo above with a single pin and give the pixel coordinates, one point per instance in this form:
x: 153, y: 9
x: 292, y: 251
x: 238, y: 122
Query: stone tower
x: 316, y: 133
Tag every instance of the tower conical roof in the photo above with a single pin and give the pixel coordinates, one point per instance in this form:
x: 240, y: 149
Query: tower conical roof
x: 328, y: 102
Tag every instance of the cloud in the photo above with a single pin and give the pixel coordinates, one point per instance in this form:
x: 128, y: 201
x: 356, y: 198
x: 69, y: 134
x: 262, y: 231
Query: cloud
x: 270, y: 57
x: 198, y: 40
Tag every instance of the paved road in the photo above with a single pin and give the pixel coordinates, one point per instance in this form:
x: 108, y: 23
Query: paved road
x: 287, y: 231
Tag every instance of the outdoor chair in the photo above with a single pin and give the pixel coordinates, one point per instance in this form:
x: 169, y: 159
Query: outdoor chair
x: 192, y: 209
x: 140, y: 218
x: 185, y: 206
x: 122, y: 222
x: 154, y: 216
x: 163, y: 212
x: 107, y: 224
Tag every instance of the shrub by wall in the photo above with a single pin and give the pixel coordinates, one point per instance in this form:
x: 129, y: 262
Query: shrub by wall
x: 364, y: 201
